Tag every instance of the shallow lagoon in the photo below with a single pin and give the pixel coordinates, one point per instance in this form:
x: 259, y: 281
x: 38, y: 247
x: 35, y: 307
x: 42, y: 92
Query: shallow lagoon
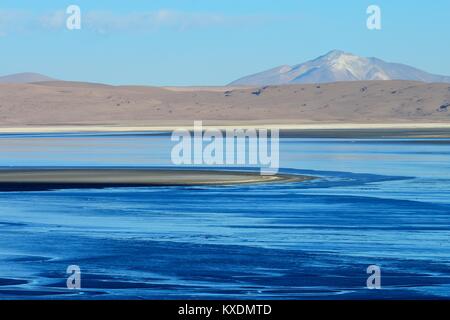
x: 383, y: 202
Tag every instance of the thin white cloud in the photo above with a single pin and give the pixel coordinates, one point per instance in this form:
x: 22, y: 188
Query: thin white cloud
x: 52, y: 20
x: 106, y: 21
x: 13, y: 20
x: 149, y: 21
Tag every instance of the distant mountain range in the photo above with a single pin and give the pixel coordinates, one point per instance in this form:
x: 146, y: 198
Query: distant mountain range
x: 335, y: 66
x: 26, y: 77
x: 338, y: 66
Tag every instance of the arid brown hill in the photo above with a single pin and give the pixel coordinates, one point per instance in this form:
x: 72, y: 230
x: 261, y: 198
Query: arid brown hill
x: 70, y: 103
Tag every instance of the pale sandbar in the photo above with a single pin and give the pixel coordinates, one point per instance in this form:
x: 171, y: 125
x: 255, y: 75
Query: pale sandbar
x: 47, y: 179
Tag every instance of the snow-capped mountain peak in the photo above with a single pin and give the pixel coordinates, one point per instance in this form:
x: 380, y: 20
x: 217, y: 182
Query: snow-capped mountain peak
x: 338, y: 65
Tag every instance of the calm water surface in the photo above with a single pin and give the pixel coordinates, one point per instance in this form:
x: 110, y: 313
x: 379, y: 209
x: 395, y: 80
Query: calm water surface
x: 382, y: 202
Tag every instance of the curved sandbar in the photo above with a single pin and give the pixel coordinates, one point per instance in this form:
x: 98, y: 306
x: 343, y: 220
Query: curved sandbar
x: 47, y: 179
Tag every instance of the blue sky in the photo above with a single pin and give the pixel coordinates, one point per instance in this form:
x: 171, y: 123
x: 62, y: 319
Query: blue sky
x: 212, y: 42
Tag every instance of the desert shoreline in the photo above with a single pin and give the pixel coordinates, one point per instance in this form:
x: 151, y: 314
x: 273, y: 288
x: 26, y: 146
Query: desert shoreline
x: 329, y: 131
x: 169, y: 128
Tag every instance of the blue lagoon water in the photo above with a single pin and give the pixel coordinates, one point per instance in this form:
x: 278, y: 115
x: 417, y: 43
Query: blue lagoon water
x: 375, y: 202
